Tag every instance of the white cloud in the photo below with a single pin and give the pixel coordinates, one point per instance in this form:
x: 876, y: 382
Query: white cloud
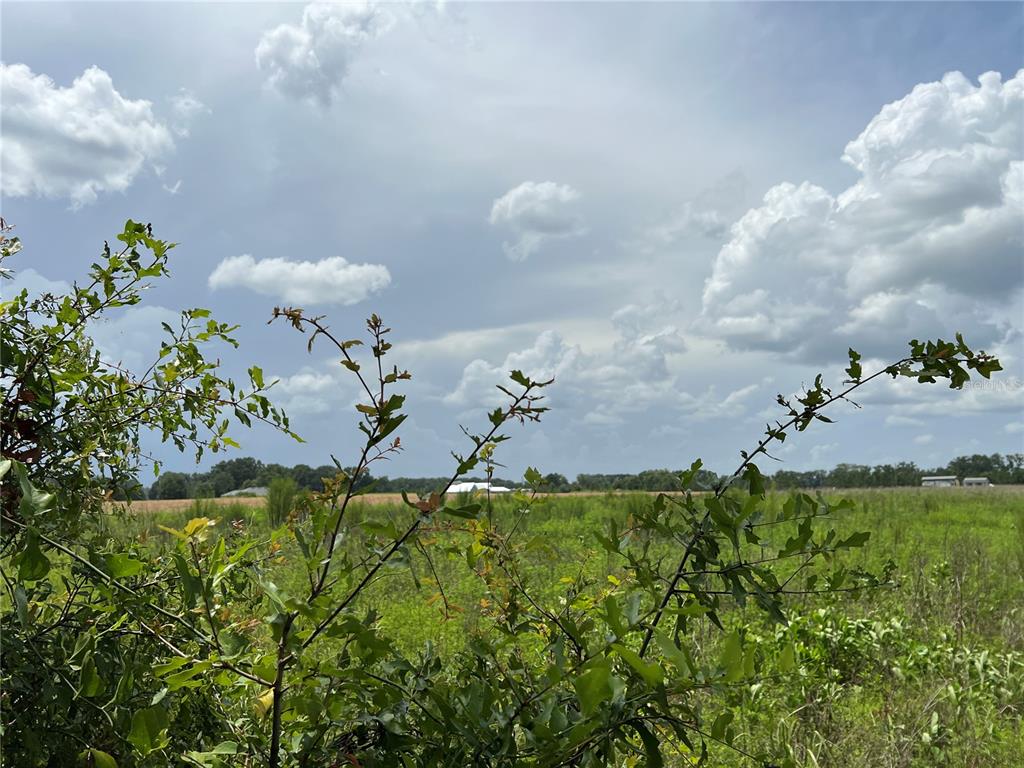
x: 690, y: 220
x: 549, y: 357
x: 309, y: 391
x: 74, y: 142
x: 933, y: 223
x: 1014, y: 427
x: 186, y: 108
x: 895, y: 420
x: 311, y: 60
x: 924, y: 439
x: 819, y: 452
x: 606, y: 387
x: 328, y: 281
x: 536, y: 212
x: 35, y: 283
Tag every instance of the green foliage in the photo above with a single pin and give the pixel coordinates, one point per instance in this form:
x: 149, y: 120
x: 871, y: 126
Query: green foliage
x: 280, y: 500
x: 209, y: 644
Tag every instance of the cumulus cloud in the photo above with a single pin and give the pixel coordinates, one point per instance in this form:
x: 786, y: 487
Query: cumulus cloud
x: 74, y: 142
x: 310, y: 60
x: 548, y: 357
x: 329, y: 281
x: 632, y: 375
x: 310, y: 391
x: 536, y: 212
x: 933, y: 224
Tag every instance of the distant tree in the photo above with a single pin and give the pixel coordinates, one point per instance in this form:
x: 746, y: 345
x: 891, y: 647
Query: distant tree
x: 556, y: 483
x: 244, y: 471
x: 170, y: 485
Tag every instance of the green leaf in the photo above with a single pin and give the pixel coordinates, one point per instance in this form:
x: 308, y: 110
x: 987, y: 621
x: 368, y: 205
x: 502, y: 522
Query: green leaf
x: 650, y: 671
x: 652, y: 747
x: 91, y: 684
x: 855, y: 370
x: 673, y: 653
x: 212, y: 757
x: 122, y: 566
x: 732, y: 657
x: 613, y: 615
x: 469, y: 512
x: 32, y: 563
x: 148, y: 729
x: 858, y: 539
x: 184, y: 679
x: 755, y: 480
x: 170, y: 666
x: 96, y: 758
x: 33, y: 500
x: 787, y: 659
x: 593, y: 687
x: 718, y: 727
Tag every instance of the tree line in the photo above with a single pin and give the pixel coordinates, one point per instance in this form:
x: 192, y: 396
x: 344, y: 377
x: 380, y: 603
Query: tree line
x: 235, y: 474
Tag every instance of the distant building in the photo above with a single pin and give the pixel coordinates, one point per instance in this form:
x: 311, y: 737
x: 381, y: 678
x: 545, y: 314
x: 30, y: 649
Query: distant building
x: 976, y: 482
x: 940, y: 481
x: 470, y: 487
x: 256, y: 491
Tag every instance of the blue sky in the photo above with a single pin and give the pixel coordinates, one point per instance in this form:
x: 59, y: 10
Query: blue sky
x: 679, y: 210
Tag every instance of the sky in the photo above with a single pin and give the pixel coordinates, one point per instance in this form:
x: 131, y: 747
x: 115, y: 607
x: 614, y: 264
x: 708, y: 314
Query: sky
x: 677, y: 210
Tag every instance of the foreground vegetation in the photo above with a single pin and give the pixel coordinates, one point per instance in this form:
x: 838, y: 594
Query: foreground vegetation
x: 927, y: 670
x: 704, y: 627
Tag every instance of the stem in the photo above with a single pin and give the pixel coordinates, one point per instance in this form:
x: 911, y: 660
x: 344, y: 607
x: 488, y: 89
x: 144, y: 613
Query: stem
x: 206, y: 597
x: 772, y: 435
x: 323, y: 625
x: 283, y: 657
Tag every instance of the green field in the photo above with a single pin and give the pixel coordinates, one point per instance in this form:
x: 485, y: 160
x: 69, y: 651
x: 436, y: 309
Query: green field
x: 926, y: 672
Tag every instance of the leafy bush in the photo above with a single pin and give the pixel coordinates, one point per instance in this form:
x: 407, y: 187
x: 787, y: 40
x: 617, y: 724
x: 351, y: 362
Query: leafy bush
x: 280, y: 500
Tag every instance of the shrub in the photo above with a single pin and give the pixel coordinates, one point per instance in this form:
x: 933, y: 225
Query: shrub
x: 280, y: 500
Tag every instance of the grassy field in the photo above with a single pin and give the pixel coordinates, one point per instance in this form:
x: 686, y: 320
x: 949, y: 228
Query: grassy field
x: 929, y: 672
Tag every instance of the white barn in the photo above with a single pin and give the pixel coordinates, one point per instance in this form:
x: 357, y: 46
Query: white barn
x: 976, y: 482
x: 472, y: 487
x: 940, y: 481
